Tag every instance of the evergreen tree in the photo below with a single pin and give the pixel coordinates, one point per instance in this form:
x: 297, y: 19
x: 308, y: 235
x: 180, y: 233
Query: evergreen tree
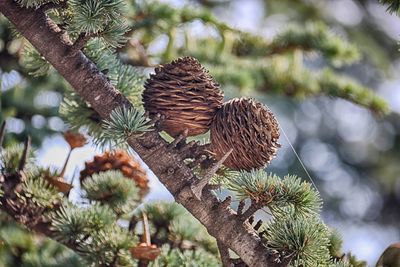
x: 104, y: 98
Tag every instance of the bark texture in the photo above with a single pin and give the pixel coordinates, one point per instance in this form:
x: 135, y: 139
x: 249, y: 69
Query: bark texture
x: 164, y: 160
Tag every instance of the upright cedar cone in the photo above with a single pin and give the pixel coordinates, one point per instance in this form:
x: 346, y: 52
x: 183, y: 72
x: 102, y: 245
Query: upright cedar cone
x: 75, y: 139
x: 118, y: 160
x: 250, y: 129
x: 185, y: 93
x: 390, y: 257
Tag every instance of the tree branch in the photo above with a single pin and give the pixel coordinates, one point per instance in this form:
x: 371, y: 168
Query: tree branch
x: 166, y: 162
x: 25, y: 153
x: 254, y: 206
x: 52, y: 5
x: 2, y: 133
x: 224, y: 253
x: 81, y: 41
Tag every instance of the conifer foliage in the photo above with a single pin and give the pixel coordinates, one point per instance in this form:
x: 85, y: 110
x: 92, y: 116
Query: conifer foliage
x: 103, y: 229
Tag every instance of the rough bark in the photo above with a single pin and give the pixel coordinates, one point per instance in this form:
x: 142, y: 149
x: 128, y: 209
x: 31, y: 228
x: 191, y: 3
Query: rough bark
x: 165, y: 161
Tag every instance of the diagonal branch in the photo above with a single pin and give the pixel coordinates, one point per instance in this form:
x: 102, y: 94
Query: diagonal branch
x: 166, y: 162
x: 25, y: 153
x: 254, y: 206
x: 198, y: 186
x: 224, y: 253
x: 2, y: 133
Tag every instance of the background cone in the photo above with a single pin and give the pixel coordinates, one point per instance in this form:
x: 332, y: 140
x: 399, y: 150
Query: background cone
x: 118, y: 160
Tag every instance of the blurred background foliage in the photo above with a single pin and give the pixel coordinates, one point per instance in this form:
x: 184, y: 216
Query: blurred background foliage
x: 287, y: 54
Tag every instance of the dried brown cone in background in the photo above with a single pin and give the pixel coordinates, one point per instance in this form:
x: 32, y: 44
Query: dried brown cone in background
x: 75, y: 139
x: 53, y: 178
x: 250, y: 129
x: 118, y: 160
x: 185, y: 93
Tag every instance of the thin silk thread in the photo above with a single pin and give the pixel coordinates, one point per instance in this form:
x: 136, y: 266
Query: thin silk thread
x: 297, y: 156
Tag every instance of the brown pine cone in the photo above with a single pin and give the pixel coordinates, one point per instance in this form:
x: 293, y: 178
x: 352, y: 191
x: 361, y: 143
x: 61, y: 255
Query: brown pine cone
x: 185, y: 93
x: 75, y: 139
x: 118, y: 160
x: 250, y: 129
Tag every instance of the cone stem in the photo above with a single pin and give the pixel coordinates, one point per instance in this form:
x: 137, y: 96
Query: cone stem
x: 146, y: 230
x: 65, y: 163
x: 24, y: 157
x: 2, y: 133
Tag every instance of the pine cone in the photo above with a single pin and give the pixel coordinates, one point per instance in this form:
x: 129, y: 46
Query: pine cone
x: 185, y: 93
x: 250, y: 129
x: 390, y: 257
x: 75, y: 139
x: 118, y: 160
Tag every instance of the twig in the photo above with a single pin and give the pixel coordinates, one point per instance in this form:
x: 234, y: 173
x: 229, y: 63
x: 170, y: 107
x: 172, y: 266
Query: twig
x: 258, y: 225
x: 155, y: 120
x: 25, y: 153
x: 251, y: 219
x: 2, y: 133
x: 71, y: 184
x: 81, y: 41
x: 178, y: 139
x: 240, y: 207
x: 197, y: 187
x: 65, y: 163
x: 227, y: 202
x: 146, y: 229
x: 52, y: 5
x: 254, y: 206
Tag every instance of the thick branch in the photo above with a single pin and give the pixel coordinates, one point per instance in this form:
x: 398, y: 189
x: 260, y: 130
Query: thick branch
x: 224, y: 253
x: 165, y: 162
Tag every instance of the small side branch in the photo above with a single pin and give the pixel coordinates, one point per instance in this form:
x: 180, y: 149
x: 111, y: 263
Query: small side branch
x: 25, y: 154
x: 157, y: 120
x: 2, y: 133
x: 258, y: 225
x: 179, y: 139
x: 52, y: 5
x: 198, y: 186
x: 81, y: 41
x: 224, y: 253
x: 254, y: 206
x: 146, y: 230
x: 241, y: 207
x: 251, y: 219
x: 227, y: 202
